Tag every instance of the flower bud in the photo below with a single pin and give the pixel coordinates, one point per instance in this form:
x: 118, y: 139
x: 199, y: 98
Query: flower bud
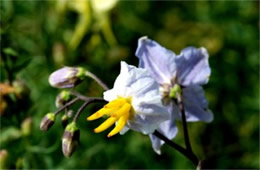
x: 64, y: 120
x: 47, y: 121
x: 26, y: 126
x: 70, y: 139
x: 62, y: 98
x: 67, y: 77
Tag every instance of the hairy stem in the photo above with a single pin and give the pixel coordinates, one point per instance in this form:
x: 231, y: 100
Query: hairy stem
x: 179, y: 148
x: 67, y: 104
x: 85, y: 104
x: 94, y: 77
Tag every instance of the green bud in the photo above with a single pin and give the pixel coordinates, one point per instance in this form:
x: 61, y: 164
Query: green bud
x: 26, y: 126
x: 47, y: 121
x: 175, y: 91
x: 63, y: 97
x: 64, y: 120
x: 70, y: 139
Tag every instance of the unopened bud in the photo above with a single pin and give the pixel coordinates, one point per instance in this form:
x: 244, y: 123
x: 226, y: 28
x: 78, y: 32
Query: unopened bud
x: 47, y: 121
x: 70, y: 139
x: 3, y: 159
x: 175, y: 91
x: 67, y: 77
x: 64, y: 120
x: 26, y: 126
x: 62, y: 98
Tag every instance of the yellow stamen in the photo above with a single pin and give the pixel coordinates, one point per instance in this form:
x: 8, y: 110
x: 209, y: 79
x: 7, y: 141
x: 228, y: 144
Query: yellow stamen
x: 109, y: 122
x: 118, y: 110
x: 101, y: 112
x: 120, y: 125
x: 115, y: 103
x: 124, y: 110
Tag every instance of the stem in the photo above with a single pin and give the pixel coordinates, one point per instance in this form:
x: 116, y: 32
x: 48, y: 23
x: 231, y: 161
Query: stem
x: 90, y: 100
x: 94, y: 77
x: 108, y: 33
x: 184, y: 123
x: 66, y: 105
x: 182, y: 150
x: 80, y: 96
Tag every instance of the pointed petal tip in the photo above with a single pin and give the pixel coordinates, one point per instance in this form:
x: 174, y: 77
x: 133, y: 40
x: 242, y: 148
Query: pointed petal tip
x: 143, y: 39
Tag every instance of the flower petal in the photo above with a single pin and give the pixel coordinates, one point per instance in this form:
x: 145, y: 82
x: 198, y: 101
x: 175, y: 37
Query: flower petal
x: 193, y: 67
x: 167, y: 128
x: 196, y: 105
x: 149, y: 114
x: 157, y: 59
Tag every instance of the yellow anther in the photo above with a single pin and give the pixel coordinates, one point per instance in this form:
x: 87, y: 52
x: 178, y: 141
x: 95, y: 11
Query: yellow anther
x: 118, y: 110
x: 101, y: 112
x: 109, y: 122
x: 122, y: 111
x: 120, y: 125
x: 115, y: 103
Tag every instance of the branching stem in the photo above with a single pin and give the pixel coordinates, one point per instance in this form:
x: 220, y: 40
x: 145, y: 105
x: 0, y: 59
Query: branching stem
x: 67, y: 104
x: 85, y: 104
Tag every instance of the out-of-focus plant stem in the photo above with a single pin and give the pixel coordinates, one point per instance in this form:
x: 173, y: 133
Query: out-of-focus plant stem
x: 94, y: 77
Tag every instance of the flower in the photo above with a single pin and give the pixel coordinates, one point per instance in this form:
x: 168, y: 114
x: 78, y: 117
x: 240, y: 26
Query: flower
x: 66, y: 77
x: 134, y: 102
x: 177, y: 74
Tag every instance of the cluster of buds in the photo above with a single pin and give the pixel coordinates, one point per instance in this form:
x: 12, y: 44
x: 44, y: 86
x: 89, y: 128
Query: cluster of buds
x: 68, y: 77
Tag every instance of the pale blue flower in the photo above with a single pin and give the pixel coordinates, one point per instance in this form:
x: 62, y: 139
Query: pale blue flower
x: 189, y: 70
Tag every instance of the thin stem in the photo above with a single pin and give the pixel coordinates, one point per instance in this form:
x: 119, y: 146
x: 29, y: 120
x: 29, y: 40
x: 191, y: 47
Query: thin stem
x: 80, y: 96
x: 67, y: 104
x: 94, y: 77
x: 90, y: 100
x: 179, y: 148
x: 184, y: 124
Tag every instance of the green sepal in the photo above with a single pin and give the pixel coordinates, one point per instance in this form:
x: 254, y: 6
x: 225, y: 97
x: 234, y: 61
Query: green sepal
x: 81, y: 73
x: 51, y: 116
x: 72, y: 127
x: 65, y: 95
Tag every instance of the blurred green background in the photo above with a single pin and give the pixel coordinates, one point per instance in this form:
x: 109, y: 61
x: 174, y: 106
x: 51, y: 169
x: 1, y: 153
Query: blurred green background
x: 38, y: 37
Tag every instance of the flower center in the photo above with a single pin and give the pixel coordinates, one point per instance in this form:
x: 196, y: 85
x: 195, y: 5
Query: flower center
x: 118, y: 110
